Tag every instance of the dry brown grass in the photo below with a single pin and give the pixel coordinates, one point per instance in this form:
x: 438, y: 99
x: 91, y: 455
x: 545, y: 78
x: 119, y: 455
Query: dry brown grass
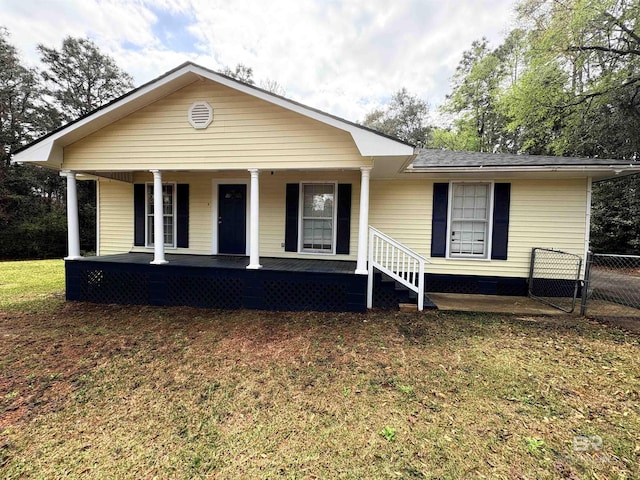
x: 144, y: 392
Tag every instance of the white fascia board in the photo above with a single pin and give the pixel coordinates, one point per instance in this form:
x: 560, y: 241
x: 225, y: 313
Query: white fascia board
x: 44, y: 151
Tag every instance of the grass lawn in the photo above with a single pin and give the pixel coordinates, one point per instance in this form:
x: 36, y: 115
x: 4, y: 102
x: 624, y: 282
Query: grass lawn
x: 27, y: 282
x: 143, y: 392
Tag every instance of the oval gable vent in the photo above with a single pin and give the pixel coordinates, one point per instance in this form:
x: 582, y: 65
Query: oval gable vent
x: 200, y: 115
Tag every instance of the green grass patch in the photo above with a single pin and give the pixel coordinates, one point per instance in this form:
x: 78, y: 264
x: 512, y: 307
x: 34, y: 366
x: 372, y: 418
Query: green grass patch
x: 127, y: 392
x: 26, y: 284
x: 106, y: 391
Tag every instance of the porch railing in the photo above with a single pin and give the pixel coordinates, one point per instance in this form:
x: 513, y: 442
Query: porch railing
x: 398, y: 262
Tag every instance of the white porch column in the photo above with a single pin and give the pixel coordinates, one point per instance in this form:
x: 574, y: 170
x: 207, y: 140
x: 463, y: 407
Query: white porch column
x: 158, y: 220
x: 73, y: 225
x: 363, y: 225
x: 254, y: 226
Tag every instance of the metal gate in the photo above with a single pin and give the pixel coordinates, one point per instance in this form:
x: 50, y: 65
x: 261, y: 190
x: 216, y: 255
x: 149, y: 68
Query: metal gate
x: 554, y: 278
x: 612, y: 286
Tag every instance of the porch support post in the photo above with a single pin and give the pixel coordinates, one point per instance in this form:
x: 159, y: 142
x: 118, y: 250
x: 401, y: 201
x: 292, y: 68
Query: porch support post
x: 158, y: 220
x: 363, y: 226
x: 73, y: 225
x: 254, y: 226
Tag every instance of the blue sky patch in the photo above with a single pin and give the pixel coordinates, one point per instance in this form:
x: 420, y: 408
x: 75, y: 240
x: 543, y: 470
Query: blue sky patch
x: 171, y: 28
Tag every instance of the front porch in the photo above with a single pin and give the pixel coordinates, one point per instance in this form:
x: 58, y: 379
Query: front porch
x: 218, y: 281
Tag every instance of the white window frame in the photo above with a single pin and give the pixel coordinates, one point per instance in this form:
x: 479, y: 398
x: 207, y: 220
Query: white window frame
x: 147, y: 234
x: 489, y: 231
x: 334, y: 220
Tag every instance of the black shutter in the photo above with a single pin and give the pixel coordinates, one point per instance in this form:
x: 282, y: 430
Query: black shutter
x: 500, y: 235
x: 182, y: 200
x: 139, y: 196
x: 291, y: 217
x: 439, y: 219
x: 343, y: 233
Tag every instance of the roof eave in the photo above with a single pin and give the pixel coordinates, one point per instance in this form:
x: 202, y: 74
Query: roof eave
x: 525, y: 168
x: 602, y: 171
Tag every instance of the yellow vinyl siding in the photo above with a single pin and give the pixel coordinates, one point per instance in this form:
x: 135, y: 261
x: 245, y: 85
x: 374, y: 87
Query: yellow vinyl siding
x: 246, y: 132
x: 543, y: 213
x: 201, y: 192
x: 116, y: 217
x: 199, y: 209
x: 272, y: 210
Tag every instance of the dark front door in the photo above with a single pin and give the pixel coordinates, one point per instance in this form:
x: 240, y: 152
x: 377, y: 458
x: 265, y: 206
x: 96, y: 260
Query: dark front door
x: 232, y: 226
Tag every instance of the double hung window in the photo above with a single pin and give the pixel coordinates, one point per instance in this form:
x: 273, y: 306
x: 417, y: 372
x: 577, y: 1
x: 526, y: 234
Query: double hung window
x: 470, y: 217
x: 318, y: 217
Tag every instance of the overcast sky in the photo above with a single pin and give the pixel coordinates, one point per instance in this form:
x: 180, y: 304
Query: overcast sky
x: 342, y: 56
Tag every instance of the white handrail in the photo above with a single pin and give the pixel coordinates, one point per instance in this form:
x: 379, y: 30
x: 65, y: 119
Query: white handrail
x: 398, y: 262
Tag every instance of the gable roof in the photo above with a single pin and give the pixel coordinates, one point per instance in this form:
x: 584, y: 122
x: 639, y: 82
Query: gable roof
x: 48, y: 148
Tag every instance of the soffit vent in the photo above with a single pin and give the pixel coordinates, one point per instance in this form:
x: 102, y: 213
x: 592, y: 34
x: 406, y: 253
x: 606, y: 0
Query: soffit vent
x: 200, y: 115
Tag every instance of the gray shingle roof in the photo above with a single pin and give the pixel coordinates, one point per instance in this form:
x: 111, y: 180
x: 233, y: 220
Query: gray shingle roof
x: 432, y: 158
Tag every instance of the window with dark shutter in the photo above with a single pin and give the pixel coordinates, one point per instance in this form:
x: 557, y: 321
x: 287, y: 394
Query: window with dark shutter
x: 138, y: 214
x: 182, y: 210
x: 439, y: 219
x: 343, y: 226
x: 467, y: 218
x: 320, y: 217
x: 291, y: 217
x: 501, y: 207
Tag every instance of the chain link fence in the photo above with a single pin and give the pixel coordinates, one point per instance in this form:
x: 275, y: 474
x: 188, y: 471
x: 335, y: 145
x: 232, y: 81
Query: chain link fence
x: 554, y: 278
x: 612, y: 286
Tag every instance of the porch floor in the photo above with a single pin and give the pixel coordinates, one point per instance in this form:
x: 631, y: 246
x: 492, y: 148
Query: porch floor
x: 233, y: 262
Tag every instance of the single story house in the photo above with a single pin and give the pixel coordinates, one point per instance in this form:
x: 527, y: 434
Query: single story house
x: 263, y: 202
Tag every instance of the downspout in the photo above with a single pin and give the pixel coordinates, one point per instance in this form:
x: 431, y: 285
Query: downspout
x: 587, y: 225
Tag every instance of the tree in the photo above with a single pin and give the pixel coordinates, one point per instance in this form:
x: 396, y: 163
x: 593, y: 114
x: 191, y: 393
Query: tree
x: 593, y: 106
x: 19, y: 90
x: 241, y: 73
x: 458, y: 138
x: 595, y: 46
x: 273, y: 87
x: 245, y: 74
x: 615, y: 214
x: 568, y: 83
x: 31, y: 214
x: 534, y: 108
x: 404, y: 117
x: 480, y: 79
x: 80, y: 78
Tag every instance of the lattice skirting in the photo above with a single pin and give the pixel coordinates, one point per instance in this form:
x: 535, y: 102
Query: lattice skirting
x: 475, y: 284
x: 130, y: 284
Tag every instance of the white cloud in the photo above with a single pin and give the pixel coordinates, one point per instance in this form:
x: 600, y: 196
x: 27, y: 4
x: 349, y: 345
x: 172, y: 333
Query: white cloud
x: 342, y: 56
